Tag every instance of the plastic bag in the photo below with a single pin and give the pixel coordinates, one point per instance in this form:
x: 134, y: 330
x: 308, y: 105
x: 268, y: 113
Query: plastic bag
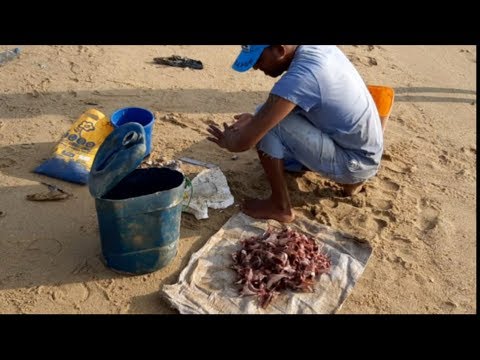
x: 210, y: 189
x: 73, y: 156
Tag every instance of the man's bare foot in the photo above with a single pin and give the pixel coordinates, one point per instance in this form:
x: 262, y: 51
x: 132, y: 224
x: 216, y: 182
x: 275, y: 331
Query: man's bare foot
x: 352, y: 189
x: 265, y: 209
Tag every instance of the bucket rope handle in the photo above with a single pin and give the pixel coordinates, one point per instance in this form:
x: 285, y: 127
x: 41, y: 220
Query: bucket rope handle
x: 188, y: 183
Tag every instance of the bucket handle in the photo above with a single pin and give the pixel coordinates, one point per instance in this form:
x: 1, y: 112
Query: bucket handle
x: 187, y: 184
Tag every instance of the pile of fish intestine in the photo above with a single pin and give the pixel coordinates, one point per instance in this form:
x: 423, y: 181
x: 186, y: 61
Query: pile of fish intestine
x: 276, y: 261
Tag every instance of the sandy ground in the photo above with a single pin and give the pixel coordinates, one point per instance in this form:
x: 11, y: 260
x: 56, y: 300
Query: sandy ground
x: 418, y: 212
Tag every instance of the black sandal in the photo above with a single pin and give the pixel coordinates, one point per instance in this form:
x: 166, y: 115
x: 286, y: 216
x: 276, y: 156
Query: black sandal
x: 178, y: 61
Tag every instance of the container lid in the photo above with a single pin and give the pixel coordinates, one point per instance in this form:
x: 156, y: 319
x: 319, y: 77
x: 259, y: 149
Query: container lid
x: 121, y: 153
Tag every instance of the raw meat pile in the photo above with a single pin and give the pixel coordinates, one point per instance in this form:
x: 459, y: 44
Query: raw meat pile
x: 278, y: 260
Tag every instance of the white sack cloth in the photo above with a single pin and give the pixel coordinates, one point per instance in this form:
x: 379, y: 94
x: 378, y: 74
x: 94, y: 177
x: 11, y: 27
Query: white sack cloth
x: 206, y: 285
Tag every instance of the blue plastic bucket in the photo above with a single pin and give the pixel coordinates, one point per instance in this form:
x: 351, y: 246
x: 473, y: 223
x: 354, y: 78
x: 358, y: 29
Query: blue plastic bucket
x: 139, y: 220
x: 139, y: 115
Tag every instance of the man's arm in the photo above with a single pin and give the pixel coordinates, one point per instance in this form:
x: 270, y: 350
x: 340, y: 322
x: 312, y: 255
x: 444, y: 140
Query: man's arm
x: 272, y: 112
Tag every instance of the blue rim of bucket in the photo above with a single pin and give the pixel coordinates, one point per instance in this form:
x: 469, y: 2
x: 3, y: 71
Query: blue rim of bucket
x: 119, y: 113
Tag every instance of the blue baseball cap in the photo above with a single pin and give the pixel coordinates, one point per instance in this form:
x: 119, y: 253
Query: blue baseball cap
x: 248, y: 57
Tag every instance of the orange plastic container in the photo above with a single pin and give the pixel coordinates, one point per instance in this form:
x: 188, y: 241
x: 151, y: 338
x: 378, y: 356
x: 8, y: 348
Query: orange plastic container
x: 383, y: 97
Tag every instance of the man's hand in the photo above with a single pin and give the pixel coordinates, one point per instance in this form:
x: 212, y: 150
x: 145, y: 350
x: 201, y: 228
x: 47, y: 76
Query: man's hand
x: 225, y: 137
x: 242, y: 120
x: 250, y: 129
x: 221, y: 138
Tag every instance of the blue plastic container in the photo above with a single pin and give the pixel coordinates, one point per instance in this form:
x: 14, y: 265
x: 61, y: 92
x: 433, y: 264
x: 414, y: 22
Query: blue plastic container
x: 138, y: 210
x: 139, y: 115
x: 139, y: 220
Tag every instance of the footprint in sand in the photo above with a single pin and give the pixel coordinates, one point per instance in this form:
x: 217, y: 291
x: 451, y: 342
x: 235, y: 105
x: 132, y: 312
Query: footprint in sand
x: 468, y: 154
x: 329, y: 203
x: 73, y: 294
x: 363, y: 60
x: 323, y: 218
x: 444, y: 158
x: 465, y: 174
x: 365, y: 221
x: 428, y: 215
x: 50, y: 247
x: 398, y: 157
x: 401, y: 168
x: 468, y: 54
x: 320, y: 215
x: 326, y: 191
x: 372, y: 61
x: 467, y: 158
x: 394, y: 164
x: 380, y: 204
x: 403, y: 260
x: 386, y: 213
x: 386, y: 156
x: 378, y: 224
x: 357, y: 201
x: 388, y: 185
x: 405, y: 239
x: 383, y: 208
x: 428, y: 219
x: 83, y: 49
x: 306, y: 185
x: 401, y: 120
x: 84, y: 266
x: 7, y: 162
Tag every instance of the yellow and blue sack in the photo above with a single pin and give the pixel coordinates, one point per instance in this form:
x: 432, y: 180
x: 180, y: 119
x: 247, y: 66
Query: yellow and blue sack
x: 73, y: 156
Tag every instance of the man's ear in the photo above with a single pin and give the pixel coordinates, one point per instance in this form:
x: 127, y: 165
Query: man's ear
x: 280, y: 51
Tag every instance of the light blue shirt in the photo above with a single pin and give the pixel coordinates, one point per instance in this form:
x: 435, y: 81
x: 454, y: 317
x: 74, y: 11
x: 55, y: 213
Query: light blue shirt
x: 331, y: 94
